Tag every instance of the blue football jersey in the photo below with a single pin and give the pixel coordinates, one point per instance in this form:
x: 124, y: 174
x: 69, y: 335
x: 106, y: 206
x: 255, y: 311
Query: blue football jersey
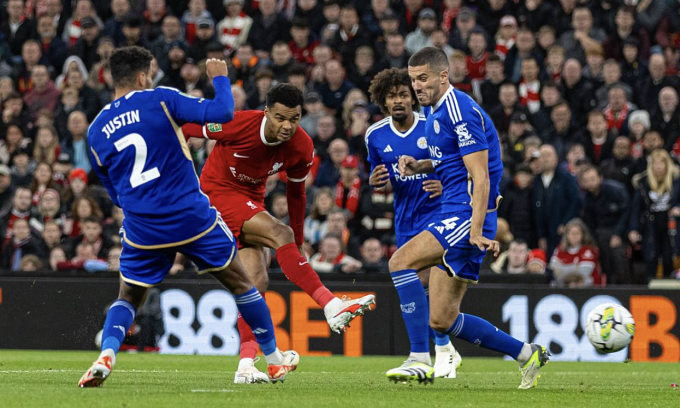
x: 456, y: 126
x: 138, y: 151
x: 413, y: 207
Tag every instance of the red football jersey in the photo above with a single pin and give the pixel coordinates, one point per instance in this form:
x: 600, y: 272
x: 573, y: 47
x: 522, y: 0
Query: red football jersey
x: 243, y: 159
x: 570, y: 260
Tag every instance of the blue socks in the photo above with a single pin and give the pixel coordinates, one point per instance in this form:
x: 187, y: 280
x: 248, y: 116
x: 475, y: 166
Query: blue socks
x: 414, y: 308
x: 255, y: 312
x: 118, y: 321
x: 440, y: 339
x: 479, y: 332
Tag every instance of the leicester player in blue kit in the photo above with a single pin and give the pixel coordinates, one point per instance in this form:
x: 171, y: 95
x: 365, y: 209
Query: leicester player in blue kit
x: 416, y: 201
x: 465, y: 154
x: 141, y: 157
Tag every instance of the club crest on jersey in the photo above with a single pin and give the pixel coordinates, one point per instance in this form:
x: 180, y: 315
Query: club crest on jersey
x: 275, y: 168
x: 214, y: 127
x: 464, y: 137
x: 436, y: 126
x: 422, y: 142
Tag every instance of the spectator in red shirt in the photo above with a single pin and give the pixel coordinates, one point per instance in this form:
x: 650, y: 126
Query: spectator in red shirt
x: 43, y: 95
x: 303, y: 43
x: 348, y: 188
x: 458, y: 72
x: 576, y: 254
x: 476, y: 60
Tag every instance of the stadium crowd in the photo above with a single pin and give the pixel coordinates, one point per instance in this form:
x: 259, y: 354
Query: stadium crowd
x: 584, y: 95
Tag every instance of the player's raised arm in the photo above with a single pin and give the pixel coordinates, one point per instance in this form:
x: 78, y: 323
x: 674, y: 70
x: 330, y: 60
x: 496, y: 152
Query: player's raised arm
x: 188, y: 109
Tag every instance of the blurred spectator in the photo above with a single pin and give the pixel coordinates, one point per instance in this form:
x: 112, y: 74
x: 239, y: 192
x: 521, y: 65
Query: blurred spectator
x: 490, y: 87
x: 42, y: 180
x: 654, y: 202
x: 112, y: 230
x: 22, y: 167
x: 605, y: 212
x: 337, y: 224
x: 313, y: 109
x: 315, y: 226
x: 113, y: 258
x: 43, y: 95
x: 331, y: 257
x: 647, y: 89
x: 30, y: 263
x: 389, y: 25
x: 48, y: 208
x: 82, y: 208
x: 650, y: 142
x: 666, y: 120
x: 282, y: 61
x: 329, y: 171
x: 529, y: 86
x: 458, y: 72
x: 514, y: 260
x: 439, y: 39
x: 205, y: 38
x: 617, y: 111
x: 621, y: 166
x: 583, y: 37
x: 51, y: 236
x: 22, y: 243
x: 523, y: 48
x: 517, y: 205
x: 350, y: 35
x: 17, y: 28
x: 427, y: 23
x: 87, y: 97
x: 536, y: 263
x: 554, y: 63
x: 303, y: 42
x: 562, y: 132
x: 611, y: 75
x: 14, y: 142
x: 75, y: 144
x: 85, y: 258
x: 509, y: 104
x: 279, y: 207
x: 6, y: 190
x: 192, y: 80
x: 21, y: 207
x: 598, y: 141
x: 86, y: 46
x: 638, y: 124
x: 132, y: 30
x: 92, y: 234
x: 556, y: 198
x: 576, y: 155
x: 13, y: 112
x: 113, y: 27
x: 335, y: 89
x: 576, y: 254
x: 153, y: 17
x: 577, y: 91
x: 234, y: 28
x: 348, y: 189
x: 625, y: 30
x: 361, y: 73
x: 57, y: 255
x: 505, y: 36
x: 171, y: 37
x: 190, y: 19
x: 268, y: 27
x: 372, y: 258
x: 633, y: 68
x: 466, y: 21
x: 396, y: 55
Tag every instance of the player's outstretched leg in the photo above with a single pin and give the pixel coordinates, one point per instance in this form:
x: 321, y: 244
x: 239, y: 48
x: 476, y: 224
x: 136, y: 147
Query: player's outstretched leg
x: 447, y: 294
x: 267, y: 231
x: 118, y: 321
x: 255, y: 312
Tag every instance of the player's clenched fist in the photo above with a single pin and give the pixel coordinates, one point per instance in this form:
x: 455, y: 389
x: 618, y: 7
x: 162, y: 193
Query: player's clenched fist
x: 407, y: 166
x: 215, y: 67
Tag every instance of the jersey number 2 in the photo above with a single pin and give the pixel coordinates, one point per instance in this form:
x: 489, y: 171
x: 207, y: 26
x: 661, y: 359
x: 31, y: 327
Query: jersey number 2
x: 138, y: 176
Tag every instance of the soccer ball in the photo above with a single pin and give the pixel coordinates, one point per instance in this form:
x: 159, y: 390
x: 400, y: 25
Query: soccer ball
x: 610, y: 328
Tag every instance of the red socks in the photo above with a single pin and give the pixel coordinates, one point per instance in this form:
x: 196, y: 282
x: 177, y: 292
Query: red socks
x: 248, y: 342
x: 298, y: 270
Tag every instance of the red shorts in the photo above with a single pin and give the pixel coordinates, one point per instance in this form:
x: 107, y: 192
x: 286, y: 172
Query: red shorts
x: 236, y: 209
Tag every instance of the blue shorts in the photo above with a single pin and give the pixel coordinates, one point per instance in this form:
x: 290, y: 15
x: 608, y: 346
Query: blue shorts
x: 402, y: 239
x: 461, y: 259
x: 212, y: 252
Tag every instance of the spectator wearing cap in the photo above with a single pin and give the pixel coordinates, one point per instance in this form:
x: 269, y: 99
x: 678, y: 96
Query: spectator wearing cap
x: 16, y: 27
x: 6, y: 190
x: 303, y: 42
x: 171, y: 37
x: 21, y: 210
x: 268, y: 27
x: 263, y: 82
x: 205, y: 35
x: 605, y: 212
x: 389, y: 25
x: 517, y: 206
x: 196, y: 12
x: 75, y: 144
x: 21, y: 244
x: 666, y: 119
x: 598, y: 139
x: 420, y: 38
x: 505, y: 36
x: 490, y: 87
x: 647, y: 90
x: 152, y: 19
x: 234, y: 29
x: 583, y: 36
x: 556, y: 197
x: 54, y: 49
x: 466, y: 21
x: 350, y: 36
x: 625, y: 29
x: 535, y: 13
x: 74, y: 25
x: 43, y: 95
x: 113, y: 27
x: 348, y: 189
x: 132, y: 31
x: 536, y: 262
x: 78, y: 187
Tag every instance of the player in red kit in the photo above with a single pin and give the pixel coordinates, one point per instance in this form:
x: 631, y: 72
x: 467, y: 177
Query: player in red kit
x: 250, y: 148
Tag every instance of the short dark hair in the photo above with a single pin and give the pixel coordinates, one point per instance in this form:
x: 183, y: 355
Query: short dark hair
x: 92, y: 218
x: 286, y: 94
x: 433, y: 57
x: 385, y: 81
x: 590, y: 167
x: 127, y: 62
x: 493, y: 58
x: 523, y: 168
x: 519, y: 241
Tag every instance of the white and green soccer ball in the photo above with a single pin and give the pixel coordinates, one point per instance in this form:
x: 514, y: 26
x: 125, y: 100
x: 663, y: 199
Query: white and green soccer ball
x: 610, y: 328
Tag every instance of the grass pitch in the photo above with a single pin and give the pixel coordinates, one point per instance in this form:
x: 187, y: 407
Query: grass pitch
x: 49, y: 378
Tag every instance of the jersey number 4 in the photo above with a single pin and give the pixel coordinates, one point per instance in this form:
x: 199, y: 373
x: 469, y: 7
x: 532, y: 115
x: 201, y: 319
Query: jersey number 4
x: 139, y: 176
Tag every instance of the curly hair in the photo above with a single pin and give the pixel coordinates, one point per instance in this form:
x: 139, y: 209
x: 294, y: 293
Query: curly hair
x: 127, y: 62
x: 385, y: 81
x: 286, y: 94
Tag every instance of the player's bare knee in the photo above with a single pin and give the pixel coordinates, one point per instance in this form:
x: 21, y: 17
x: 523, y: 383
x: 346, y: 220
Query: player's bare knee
x: 442, y: 321
x: 399, y: 262
x: 261, y: 281
x: 282, y: 235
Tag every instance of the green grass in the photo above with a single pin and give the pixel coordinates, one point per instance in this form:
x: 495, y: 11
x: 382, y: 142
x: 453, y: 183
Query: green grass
x: 49, y: 378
